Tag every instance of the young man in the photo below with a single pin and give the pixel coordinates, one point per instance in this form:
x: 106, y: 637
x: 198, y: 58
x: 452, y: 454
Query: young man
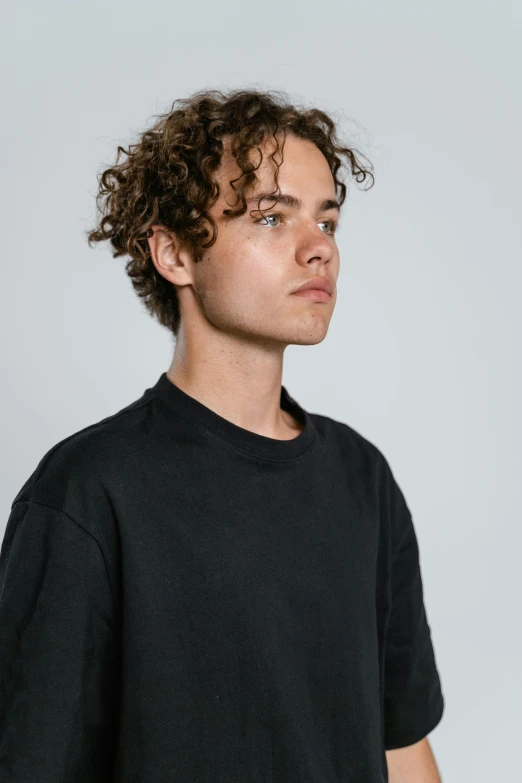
x: 213, y: 584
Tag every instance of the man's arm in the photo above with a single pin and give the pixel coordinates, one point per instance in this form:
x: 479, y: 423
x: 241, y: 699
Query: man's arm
x: 413, y: 699
x: 413, y: 764
x: 59, y: 657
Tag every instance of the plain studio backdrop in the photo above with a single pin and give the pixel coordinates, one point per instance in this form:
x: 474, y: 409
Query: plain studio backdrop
x: 423, y: 352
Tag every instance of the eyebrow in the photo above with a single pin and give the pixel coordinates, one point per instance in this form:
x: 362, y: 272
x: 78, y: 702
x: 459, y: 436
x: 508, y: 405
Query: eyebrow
x: 296, y: 203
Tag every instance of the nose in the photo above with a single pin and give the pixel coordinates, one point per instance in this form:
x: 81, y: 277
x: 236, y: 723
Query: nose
x: 314, y: 246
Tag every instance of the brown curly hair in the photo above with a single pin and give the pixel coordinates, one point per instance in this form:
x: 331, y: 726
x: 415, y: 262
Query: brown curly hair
x: 166, y: 177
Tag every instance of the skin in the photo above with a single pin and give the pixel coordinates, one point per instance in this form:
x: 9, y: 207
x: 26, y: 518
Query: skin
x: 238, y: 314
x: 413, y: 764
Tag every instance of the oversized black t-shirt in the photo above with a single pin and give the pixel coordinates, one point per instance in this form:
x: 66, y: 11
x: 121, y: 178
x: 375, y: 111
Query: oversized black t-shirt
x: 185, y: 600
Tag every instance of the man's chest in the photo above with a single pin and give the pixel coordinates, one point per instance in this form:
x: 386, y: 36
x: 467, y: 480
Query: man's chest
x: 286, y: 551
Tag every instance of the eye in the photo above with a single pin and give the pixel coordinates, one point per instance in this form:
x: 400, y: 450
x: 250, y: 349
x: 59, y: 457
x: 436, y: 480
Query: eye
x: 334, y: 225
x: 264, y: 219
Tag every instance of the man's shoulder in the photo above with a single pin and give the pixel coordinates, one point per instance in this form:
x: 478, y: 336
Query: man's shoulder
x: 87, y: 457
x: 348, y: 440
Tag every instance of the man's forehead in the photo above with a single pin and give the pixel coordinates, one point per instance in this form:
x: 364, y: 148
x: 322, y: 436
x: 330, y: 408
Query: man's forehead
x: 264, y: 185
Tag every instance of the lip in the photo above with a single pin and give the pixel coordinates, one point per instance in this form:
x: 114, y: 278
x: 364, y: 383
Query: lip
x: 315, y: 294
x: 317, y: 284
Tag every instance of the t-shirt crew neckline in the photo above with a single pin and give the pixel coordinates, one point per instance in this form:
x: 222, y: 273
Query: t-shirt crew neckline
x: 241, y: 439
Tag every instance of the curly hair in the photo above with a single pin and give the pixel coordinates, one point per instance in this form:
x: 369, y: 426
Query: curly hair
x: 166, y: 178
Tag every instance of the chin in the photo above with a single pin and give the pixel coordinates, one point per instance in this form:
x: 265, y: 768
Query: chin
x: 297, y: 331
x: 307, y: 340
x: 306, y: 334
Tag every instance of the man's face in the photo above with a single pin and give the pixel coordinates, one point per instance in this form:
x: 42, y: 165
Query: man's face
x: 244, y: 283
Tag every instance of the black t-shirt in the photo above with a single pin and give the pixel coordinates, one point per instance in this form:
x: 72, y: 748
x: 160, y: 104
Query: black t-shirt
x: 186, y: 600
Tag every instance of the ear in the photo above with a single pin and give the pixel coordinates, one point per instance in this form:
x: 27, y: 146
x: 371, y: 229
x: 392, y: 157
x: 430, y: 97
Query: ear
x: 169, y: 257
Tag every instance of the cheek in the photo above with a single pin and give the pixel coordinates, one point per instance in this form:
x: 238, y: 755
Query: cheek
x: 244, y: 277
x: 249, y: 268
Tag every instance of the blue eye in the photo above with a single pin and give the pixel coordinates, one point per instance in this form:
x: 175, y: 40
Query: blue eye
x: 334, y: 225
x: 264, y: 219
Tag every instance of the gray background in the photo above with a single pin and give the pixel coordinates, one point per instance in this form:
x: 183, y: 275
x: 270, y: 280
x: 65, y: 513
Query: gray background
x: 423, y: 352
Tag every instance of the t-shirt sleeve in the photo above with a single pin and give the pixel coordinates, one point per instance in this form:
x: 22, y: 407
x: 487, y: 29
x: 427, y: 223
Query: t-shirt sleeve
x: 413, y: 697
x: 58, y: 651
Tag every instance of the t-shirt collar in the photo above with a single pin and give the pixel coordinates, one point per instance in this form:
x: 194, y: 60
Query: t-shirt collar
x: 238, y: 437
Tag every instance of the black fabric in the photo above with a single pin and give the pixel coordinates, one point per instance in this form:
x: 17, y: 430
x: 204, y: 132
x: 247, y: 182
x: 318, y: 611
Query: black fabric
x: 185, y: 600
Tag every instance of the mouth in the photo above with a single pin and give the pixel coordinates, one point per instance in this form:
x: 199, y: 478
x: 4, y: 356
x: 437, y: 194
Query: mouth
x: 319, y: 289
x: 315, y: 294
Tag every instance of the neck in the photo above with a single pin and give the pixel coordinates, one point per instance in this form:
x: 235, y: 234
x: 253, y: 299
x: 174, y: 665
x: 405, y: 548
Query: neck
x: 238, y: 381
